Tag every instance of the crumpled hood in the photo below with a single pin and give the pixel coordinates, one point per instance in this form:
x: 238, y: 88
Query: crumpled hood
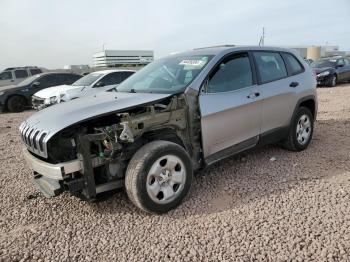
x: 55, y: 118
x: 55, y: 90
x: 322, y: 69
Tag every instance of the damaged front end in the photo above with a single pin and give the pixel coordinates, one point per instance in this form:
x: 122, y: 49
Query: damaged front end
x: 91, y: 157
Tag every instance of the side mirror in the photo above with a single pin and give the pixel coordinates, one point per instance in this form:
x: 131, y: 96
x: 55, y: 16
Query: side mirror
x: 36, y: 84
x: 337, y: 66
x: 204, y: 87
x: 99, y: 84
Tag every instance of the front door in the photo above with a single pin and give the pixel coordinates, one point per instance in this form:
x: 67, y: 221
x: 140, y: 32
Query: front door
x: 230, y: 107
x: 6, y: 78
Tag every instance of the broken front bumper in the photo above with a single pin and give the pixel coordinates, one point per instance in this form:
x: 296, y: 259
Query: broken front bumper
x: 49, y: 178
x: 53, y: 179
x: 52, y: 171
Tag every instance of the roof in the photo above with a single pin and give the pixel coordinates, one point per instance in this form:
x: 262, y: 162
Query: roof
x: 215, y: 50
x: 107, y: 71
x: 56, y: 73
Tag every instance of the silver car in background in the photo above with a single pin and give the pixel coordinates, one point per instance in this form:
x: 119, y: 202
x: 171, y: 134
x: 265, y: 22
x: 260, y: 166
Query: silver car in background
x: 175, y: 116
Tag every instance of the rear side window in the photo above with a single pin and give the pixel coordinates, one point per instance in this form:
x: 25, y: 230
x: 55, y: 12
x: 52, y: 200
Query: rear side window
x: 125, y: 75
x: 68, y: 78
x: 294, y: 66
x: 49, y: 80
x: 232, y: 74
x: 111, y: 79
x: 270, y: 65
x: 21, y: 73
x: 35, y: 71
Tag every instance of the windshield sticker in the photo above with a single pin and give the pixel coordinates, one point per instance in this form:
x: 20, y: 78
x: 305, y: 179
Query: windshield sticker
x: 194, y: 63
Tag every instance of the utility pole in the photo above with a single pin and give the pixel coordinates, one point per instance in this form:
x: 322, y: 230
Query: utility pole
x: 262, y: 38
x: 103, y: 47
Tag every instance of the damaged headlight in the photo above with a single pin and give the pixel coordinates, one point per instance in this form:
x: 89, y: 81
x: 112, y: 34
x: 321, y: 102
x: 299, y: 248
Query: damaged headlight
x: 51, y: 100
x: 325, y: 73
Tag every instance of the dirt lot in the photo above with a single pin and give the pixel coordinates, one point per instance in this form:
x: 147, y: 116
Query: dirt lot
x: 243, y: 208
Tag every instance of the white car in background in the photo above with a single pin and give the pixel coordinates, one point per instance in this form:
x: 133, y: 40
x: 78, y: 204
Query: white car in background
x: 88, y: 85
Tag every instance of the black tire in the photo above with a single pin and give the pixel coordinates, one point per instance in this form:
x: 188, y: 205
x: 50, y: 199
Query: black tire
x: 332, y: 81
x: 137, y: 175
x: 291, y: 142
x: 16, y: 104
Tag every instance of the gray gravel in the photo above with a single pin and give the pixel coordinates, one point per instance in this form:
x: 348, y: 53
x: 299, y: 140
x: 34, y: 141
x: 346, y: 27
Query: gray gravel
x: 293, y: 207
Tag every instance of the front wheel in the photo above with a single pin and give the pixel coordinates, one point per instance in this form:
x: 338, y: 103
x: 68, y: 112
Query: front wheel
x: 158, y: 176
x: 301, y: 131
x: 16, y: 104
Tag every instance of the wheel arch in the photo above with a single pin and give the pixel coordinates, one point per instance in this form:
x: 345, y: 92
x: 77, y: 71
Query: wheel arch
x: 310, y: 103
x: 166, y: 134
x: 13, y: 95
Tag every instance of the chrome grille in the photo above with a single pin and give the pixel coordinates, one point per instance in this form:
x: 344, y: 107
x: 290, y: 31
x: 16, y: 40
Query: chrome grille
x: 34, y: 139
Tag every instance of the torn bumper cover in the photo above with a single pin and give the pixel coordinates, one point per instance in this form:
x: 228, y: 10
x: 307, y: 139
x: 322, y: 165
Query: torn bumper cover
x: 48, y: 178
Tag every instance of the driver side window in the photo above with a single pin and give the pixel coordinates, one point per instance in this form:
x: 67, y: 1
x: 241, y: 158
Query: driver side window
x: 111, y: 79
x: 232, y: 74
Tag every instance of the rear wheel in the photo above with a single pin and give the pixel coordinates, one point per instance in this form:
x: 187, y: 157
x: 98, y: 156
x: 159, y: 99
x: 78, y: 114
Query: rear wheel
x: 16, y: 104
x: 301, y: 131
x: 158, y: 176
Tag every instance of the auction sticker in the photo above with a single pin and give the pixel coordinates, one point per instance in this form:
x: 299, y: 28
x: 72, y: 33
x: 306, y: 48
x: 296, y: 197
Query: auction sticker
x: 194, y: 63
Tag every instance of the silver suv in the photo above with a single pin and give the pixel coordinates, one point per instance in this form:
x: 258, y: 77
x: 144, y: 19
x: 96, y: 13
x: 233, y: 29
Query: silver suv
x: 175, y: 116
x: 14, y: 75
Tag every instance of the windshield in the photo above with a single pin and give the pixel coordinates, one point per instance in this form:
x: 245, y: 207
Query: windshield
x: 87, y: 80
x: 29, y: 80
x: 167, y: 76
x: 324, y: 63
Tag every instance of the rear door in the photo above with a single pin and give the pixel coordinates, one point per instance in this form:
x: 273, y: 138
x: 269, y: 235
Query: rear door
x: 347, y: 69
x: 230, y: 107
x: 277, y: 89
x: 341, y: 69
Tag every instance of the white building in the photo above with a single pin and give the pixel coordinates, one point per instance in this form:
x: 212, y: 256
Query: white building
x: 115, y: 58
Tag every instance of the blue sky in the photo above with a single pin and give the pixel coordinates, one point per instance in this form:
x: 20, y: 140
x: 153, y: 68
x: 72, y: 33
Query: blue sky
x: 55, y: 33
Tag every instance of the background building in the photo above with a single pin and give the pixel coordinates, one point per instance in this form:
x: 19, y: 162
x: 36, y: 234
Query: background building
x: 315, y: 52
x: 117, y: 58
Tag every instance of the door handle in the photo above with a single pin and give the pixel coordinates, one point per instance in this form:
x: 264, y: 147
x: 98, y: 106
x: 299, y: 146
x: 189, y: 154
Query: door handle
x: 253, y: 95
x: 294, y: 84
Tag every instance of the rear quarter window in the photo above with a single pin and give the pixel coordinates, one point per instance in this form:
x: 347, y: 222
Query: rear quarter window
x: 35, y: 71
x: 293, y: 65
x: 270, y: 66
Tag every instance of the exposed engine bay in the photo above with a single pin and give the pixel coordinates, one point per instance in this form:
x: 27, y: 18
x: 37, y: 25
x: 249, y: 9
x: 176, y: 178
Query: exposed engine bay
x: 106, y: 144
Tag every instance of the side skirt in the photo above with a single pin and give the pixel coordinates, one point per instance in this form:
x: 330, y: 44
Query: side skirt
x: 269, y: 137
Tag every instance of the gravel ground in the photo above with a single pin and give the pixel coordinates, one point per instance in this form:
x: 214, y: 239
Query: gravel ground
x: 269, y: 204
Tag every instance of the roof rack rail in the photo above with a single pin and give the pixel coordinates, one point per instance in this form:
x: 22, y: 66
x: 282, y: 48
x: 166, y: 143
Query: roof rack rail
x: 19, y: 67
x: 214, y: 46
